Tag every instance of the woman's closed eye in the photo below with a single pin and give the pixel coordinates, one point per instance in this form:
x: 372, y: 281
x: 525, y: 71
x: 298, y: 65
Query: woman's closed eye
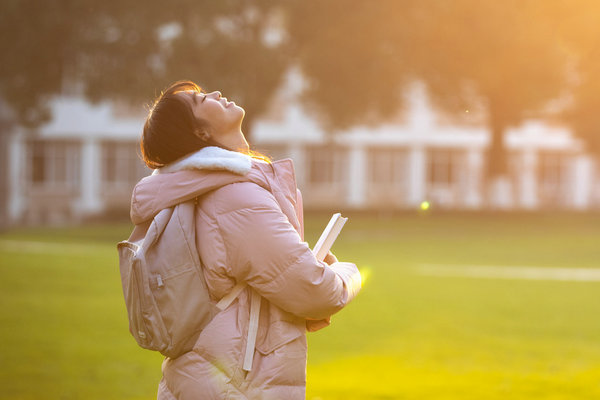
x: 195, y: 97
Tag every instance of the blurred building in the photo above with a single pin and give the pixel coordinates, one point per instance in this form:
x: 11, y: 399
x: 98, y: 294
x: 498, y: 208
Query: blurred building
x: 86, y: 161
x: 83, y: 163
x: 424, y: 156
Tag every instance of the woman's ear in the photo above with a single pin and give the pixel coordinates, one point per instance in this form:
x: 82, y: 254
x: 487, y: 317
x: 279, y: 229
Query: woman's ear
x: 203, y: 134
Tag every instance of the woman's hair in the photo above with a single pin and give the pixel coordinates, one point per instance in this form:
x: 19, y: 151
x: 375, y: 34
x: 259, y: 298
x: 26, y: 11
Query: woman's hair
x: 171, y: 130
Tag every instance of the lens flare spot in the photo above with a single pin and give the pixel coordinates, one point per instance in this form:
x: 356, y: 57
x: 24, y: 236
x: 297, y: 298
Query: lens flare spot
x: 365, y: 274
x: 425, y: 205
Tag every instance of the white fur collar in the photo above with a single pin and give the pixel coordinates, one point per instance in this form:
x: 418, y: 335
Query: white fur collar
x: 211, y: 158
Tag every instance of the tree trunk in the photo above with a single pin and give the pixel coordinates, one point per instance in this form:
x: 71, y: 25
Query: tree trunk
x: 496, y: 155
x: 497, y: 178
x: 4, y: 186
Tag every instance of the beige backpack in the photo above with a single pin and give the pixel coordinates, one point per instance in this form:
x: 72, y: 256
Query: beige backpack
x: 166, y: 296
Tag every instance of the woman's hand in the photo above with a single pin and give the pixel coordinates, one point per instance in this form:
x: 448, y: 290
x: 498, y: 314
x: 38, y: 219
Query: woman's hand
x: 313, y: 325
x: 330, y: 258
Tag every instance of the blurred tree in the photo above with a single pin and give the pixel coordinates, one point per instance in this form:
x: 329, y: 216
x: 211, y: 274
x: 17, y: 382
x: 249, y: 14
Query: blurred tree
x: 584, y: 115
x: 509, y: 56
x: 59, y: 45
x: 504, y: 55
x: 357, y: 56
x: 579, y: 27
x: 127, y: 49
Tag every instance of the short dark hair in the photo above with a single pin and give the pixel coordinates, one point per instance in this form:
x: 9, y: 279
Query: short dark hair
x: 171, y: 130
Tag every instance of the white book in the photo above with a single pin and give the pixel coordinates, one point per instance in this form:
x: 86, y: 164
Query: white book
x: 331, y: 232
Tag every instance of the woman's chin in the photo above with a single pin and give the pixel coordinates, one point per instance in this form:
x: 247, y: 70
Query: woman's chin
x: 241, y: 110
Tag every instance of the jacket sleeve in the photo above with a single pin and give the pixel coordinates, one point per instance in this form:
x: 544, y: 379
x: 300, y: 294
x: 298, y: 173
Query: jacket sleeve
x: 264, y: 250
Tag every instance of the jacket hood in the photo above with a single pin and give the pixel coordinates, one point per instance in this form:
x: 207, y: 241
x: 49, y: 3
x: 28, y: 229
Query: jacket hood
x: 204, y: 171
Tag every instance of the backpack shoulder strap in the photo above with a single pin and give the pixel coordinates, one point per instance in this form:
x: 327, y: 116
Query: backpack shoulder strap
x: 252, y: 324
x: 229, y: 297
x: 156, y: 228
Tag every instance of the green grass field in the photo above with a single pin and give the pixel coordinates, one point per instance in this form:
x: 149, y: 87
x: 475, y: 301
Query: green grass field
x: 409, y: 335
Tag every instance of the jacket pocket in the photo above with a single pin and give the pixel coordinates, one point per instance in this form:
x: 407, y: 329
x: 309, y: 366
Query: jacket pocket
x: 283, y: 350
x: 281, y: 333
x: 185, y: 307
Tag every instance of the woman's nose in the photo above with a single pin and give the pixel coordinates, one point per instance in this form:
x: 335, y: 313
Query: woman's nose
x: 215, y: 94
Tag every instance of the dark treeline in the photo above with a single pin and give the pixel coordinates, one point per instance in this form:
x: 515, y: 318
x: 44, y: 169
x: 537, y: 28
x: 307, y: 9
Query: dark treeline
x: 510, y: 59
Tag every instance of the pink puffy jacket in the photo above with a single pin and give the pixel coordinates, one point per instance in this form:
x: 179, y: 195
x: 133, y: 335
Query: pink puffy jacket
x: 248, y: 228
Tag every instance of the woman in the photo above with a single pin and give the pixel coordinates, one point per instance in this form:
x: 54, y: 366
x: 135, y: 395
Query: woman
x: 249, y: 231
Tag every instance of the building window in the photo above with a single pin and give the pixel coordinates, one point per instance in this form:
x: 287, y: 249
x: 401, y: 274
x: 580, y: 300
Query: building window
x: 37, y: 162
x: 446, y: 177
x: 324, y: 165
x: 441, y: 167
x: 121, y: 165
x: 53, y: 163
x: 387, y: 167
x: 552, y: 178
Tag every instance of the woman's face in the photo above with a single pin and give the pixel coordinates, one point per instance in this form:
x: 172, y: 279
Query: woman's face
x: 224, y: 117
